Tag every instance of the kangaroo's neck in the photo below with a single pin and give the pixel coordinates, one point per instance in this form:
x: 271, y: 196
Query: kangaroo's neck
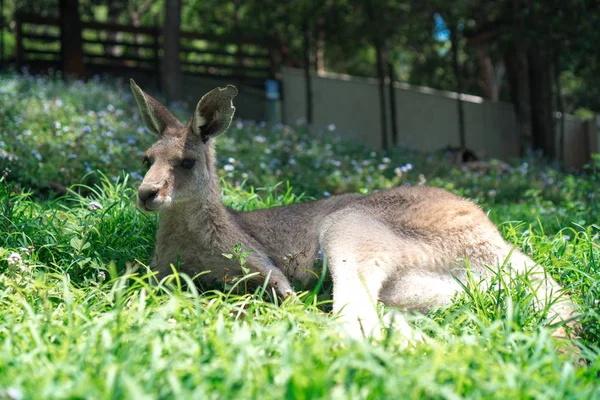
x: 204, y: 216
x: 209, y: 195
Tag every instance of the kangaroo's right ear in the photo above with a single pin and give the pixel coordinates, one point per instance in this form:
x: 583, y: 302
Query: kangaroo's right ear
x: 156, y: 117
x: 214, y: 113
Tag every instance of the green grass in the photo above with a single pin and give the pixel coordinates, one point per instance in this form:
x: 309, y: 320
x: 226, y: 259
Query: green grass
x: 79, y: 318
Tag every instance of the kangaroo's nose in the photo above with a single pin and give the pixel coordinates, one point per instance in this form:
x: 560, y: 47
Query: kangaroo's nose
x: 147, y: 192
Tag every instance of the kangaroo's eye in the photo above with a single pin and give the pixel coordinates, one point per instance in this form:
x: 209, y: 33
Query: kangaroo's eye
x: 147, y: 163
x: 188, y: 164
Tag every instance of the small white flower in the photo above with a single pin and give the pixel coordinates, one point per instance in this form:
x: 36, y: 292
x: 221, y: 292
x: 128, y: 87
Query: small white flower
x: 14, y: 393
x: 326, y: 194
x: 172, y: 321
x: 101, y: 276
x: 406, y: 168
x: 26, y: 250
x: 331, y: 127
x: 491, y: 193
x: 94, y: 205
x: 228, y: 167
x: 386, y: 160
x: 110, y: 108
x: 320, y: 255
x: 57, y: 125
x: 260, y: 139
x: 14, y: 258
x: 381, y: 167
x: 231, y: 160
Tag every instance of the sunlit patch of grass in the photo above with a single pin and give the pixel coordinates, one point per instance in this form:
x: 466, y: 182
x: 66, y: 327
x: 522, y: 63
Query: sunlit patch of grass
x: 101, y: 330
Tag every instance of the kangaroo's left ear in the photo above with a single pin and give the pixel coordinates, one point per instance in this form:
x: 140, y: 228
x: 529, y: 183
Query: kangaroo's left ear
x: 156, y: 117
x: 214, y: 113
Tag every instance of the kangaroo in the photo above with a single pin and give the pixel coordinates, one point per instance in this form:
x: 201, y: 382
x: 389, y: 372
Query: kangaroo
x: 405, y: 247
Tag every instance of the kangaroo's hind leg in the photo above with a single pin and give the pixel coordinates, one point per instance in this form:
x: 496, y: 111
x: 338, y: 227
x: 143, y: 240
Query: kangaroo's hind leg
x: 549, y: 293
x: 362, y: 253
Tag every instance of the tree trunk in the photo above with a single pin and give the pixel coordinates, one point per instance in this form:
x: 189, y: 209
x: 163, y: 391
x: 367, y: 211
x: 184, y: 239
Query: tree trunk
x: 540, y: 91
x: 171, y: 62
x: 491, y: 79
x: 307, y: 78
x: 560, y: 107
x: 381, y: 75
x: 459, y: 86
x: 517, y: 71
x: 70, y: 39
x: 320, y: 47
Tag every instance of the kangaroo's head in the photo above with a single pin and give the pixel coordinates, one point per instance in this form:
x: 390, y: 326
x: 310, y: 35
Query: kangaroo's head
x: 181, y: 162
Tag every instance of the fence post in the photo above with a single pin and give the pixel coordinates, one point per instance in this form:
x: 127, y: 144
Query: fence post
x: 156, y: 48
x: 394, y: 118
x: 239, y: 61
x: 591, y: 132
x: 19, y: 40
x: 272, y: 62
x: 71, y: 44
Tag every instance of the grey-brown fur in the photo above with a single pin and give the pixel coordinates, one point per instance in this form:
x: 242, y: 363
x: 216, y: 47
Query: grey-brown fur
x: 403, y: 246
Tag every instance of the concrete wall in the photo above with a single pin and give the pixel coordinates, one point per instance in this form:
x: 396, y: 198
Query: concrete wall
x: 581, y: 140
x: 250, y: 103
x: 427, y: 119
x: 352, y: 104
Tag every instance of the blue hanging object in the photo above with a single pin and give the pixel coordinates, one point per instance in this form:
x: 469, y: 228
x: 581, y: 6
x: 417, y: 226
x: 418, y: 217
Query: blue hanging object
x: 272, y: 89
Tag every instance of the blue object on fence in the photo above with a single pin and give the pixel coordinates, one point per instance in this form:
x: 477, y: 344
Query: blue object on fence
x: 272, y: 89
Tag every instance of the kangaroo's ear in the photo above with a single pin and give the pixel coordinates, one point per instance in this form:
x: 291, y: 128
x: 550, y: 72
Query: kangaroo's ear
x: 156, y: 117
x: 214, y: 113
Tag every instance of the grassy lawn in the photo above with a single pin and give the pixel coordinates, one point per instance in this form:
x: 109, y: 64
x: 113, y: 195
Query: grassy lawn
x: 80, y: 319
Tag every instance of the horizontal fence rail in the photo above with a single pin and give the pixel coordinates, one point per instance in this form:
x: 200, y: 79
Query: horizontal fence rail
x: 119, y: 48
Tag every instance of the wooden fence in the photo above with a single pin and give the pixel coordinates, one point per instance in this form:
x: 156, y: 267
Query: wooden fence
x: 121, y: 49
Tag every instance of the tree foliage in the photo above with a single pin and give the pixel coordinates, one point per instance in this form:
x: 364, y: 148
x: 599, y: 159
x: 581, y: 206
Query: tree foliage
x: 539, y: 54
